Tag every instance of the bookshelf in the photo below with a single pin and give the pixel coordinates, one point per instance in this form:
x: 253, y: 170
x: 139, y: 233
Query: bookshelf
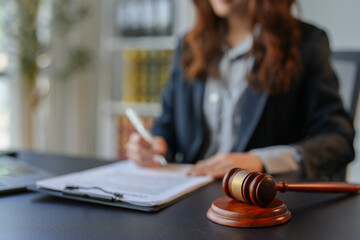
x: 137, y: 43
x: 145, y: 74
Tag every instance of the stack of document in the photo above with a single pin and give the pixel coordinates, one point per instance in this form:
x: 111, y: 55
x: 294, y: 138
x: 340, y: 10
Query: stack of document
x: 125, y: 182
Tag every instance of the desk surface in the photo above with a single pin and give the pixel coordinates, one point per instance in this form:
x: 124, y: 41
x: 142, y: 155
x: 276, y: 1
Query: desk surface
x: 30, y: 215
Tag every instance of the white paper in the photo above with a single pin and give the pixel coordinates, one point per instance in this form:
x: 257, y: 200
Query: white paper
x: 137, y: 185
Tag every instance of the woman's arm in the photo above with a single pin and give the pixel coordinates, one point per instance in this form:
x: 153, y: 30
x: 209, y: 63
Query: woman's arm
x: 328, y: 144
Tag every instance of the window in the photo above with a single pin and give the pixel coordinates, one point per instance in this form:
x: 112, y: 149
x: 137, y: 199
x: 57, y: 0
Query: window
x: 4, y: 84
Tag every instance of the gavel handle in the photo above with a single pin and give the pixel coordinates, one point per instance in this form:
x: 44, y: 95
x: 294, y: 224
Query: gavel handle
x: 324, y: 187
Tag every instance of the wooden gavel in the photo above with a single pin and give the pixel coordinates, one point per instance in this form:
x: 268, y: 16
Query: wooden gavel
x: 260, y: 189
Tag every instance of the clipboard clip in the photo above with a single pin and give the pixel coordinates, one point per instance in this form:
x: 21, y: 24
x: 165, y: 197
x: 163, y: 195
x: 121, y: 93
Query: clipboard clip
x: 73, y: 190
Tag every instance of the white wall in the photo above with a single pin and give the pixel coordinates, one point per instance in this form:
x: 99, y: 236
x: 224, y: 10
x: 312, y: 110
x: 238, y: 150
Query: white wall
x: 340, y: 18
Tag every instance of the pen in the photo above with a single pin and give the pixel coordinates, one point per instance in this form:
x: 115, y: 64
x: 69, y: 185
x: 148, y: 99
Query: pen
x: 136, y: 122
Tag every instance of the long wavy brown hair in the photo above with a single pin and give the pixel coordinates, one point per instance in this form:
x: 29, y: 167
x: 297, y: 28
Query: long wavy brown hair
x: 275, y: 46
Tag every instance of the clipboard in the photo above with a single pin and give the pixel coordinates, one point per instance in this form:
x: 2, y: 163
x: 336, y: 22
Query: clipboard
x: 97, y: 200
x: 109, y: 187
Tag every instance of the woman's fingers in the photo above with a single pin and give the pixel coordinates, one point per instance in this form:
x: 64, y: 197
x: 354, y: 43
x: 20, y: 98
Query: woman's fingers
x: 159, y: 145
x: 218, y: 165
x: 142, y: 152
x: 205, y: 167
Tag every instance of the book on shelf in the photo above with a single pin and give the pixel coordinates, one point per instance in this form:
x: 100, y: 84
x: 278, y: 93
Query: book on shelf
x: 144, y: 75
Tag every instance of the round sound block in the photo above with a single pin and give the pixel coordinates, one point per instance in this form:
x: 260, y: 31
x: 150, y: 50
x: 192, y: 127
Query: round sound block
x: 229, y: 212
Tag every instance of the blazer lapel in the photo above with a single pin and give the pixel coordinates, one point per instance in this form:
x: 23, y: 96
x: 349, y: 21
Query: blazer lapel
x: 198, y: 95
x: 252, y: 107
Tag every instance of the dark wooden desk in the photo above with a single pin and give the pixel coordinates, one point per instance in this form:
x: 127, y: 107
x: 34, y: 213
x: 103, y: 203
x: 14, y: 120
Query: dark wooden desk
x: 30, y: 215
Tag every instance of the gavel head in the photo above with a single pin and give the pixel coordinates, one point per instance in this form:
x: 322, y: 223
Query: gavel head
x: 249, y: 187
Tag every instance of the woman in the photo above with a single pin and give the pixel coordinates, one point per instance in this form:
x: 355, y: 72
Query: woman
x: 251, y: 87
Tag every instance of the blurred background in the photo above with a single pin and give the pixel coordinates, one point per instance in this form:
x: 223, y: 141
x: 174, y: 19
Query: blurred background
x: 68, y: 68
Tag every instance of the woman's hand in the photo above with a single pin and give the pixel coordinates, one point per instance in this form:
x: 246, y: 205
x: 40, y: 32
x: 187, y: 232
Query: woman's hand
x: 142, y: 152
x: 218, y: 165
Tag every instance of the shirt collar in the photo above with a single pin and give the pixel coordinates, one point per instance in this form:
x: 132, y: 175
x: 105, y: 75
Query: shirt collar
x: 240, y: 49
